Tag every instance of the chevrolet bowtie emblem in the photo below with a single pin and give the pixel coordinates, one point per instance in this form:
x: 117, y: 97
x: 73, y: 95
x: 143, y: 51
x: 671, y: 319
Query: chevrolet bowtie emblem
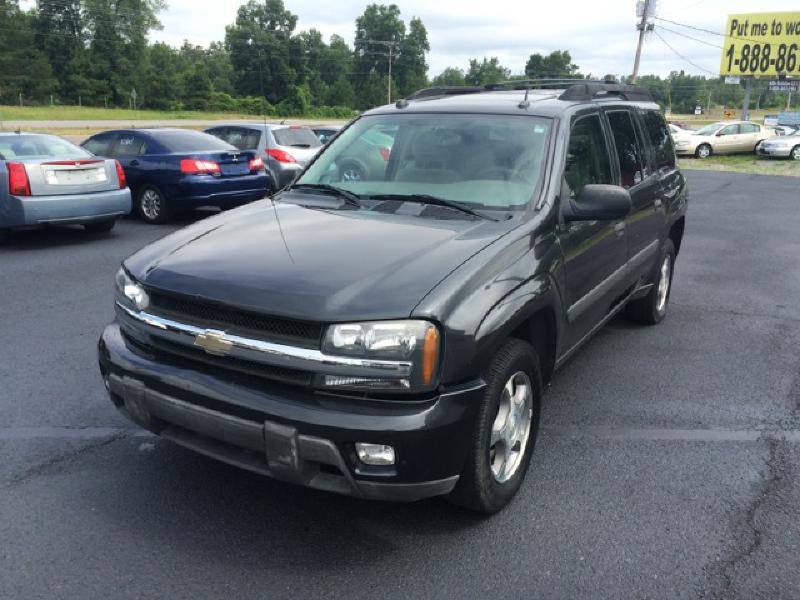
x: 213, y: 342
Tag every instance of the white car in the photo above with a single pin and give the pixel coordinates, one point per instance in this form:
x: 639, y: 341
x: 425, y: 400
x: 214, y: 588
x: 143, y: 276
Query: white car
x: 784, y: 146
x: 728, y: 137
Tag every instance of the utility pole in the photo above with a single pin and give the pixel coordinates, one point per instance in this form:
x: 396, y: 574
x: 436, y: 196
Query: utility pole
x: 748, y: 90
x: 389, y: 87
x: 642, y: 27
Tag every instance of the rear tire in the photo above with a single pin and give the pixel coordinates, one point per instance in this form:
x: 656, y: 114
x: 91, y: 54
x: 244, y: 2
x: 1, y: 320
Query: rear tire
x: 703, y: 151
x: 100, y: 226
x: 151, y: 205
x: 509, y: 416
x: 652, y: 309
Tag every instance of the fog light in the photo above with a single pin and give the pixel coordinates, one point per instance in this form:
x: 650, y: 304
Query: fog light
x: 377, y: 455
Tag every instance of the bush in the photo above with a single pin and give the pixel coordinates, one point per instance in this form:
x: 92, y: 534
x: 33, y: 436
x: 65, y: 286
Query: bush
x: 252, y: 105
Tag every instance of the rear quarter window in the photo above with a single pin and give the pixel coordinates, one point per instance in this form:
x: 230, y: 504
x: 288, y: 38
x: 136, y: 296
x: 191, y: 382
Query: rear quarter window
x: 296, y: 137
x: 191, y: 141
x: 657, y: 132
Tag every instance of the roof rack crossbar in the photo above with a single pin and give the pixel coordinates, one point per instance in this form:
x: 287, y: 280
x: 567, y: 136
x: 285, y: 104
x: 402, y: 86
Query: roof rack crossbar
x: 575, y: 90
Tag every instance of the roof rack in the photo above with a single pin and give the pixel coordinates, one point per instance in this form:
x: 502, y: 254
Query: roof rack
x: 575, y: 89
x: 445, y: 90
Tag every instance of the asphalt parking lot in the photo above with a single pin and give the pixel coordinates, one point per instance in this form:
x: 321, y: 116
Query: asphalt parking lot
x: 668, y: 465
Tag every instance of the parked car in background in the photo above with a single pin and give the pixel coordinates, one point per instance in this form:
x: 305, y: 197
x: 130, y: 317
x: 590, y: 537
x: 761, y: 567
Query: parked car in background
x: 172, y: 170
x: 728, y: 137
x: 771, y: 120
x: 326, y: 133
x: 785, y: 146
x: 368, y: 155
x: 285, y: 149
x: 45, y: 180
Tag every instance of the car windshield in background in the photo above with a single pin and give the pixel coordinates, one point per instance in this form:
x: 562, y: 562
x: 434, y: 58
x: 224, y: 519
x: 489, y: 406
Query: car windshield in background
x: 191, y: 141
x: 296, y: 137
x: 39, y: 146
x: 484, y: 161
x: 709, y: 129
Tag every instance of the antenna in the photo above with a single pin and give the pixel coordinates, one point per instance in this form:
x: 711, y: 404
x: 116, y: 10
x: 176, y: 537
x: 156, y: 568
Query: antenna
x: 525, y: 102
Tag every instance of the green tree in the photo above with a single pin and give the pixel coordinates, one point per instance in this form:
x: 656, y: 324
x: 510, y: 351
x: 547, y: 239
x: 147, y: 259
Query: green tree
x: 486, y: 71
x: 379, y: 32
x: 411, y: 68
x: 450, y: 76
x: 259, y: 46
x: 24, y: 69
x: 557, y: 65
x: 61, y: 36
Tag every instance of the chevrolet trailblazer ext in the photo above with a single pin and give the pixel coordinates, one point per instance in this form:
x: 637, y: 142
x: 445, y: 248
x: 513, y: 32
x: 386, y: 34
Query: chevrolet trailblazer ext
x: 387, y: 331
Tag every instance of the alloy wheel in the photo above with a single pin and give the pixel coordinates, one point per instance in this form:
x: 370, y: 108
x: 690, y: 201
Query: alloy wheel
x: 151, y: 205
x: 512, y: 427
x: 796, y: 153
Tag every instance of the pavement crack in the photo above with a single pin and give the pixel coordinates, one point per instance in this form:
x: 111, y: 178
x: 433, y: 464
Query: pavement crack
x: 751, y: 538
x: 61, y: 461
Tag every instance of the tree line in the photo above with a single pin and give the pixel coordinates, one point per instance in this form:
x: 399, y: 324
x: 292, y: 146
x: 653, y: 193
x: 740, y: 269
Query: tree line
x: 96, y: 53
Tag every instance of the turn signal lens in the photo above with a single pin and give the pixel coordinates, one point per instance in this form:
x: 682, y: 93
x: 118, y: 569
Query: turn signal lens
x: 430, y: 353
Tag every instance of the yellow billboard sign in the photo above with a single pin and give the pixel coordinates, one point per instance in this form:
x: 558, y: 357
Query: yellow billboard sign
x: 762, y: 45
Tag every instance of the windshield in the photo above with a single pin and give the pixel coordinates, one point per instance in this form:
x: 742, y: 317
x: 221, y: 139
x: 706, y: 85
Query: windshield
x: 39, y: 146
x: 709, y: 129
x: 484, y: 161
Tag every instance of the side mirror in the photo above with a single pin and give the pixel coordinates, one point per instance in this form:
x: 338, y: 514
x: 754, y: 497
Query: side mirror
x: 599, y: 202
x: 719, y: 134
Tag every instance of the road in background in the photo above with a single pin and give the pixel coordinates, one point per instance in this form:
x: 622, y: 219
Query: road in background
x: 667, y: 465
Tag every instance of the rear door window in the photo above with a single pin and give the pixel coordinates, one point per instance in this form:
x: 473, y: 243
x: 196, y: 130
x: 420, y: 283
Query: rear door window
x: 750, y: 128
x: 99, y: 145
x: 296, y: 137
x: 587, y: 155
x: 657, y: 132
x: 129, y: 145
x: 629, y: 150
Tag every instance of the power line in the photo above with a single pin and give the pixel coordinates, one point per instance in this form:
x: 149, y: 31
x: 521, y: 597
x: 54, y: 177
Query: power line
x: 691, y: 38
x: 717, y: 33
x: 681, y: 56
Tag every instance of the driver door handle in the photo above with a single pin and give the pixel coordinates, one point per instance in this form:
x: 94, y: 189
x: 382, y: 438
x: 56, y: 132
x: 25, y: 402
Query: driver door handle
x: 619, y: 229
x: 134, y: 163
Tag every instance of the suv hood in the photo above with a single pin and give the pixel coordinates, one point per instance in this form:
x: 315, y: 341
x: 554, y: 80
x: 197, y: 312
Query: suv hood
x: 314, y: 264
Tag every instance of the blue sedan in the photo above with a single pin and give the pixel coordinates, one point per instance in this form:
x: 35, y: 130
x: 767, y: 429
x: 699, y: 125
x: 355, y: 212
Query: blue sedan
x: 171, y: 170
x: 45, y: 180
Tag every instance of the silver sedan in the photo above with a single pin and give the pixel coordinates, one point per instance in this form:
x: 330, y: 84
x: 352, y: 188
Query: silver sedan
x: 45, y: 180
x: 784, y: 146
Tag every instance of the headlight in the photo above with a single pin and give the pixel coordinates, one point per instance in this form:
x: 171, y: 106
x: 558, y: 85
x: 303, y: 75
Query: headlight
x: 413, y: 342
x: 131, y: 293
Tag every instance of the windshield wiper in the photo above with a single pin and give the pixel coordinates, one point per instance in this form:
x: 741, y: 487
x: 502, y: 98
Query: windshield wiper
x: 432, y: 200
x: 349, y: 197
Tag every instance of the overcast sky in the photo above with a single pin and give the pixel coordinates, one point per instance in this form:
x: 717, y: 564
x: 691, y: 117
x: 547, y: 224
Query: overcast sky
x: 601, y: 35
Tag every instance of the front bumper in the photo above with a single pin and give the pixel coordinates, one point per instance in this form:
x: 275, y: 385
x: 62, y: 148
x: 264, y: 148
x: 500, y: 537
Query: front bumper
x: 24, y: 211
x: 291, y: 433
x: 775, y: 152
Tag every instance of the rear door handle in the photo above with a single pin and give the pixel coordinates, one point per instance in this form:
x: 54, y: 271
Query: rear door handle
x: 658, y: 203
x: 619, y: 229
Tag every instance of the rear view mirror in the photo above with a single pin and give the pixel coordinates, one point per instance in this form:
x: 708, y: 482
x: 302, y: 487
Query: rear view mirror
x: 598, y: 202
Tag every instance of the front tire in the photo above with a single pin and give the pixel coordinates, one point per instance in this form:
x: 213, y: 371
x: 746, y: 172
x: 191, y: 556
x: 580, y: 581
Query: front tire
x: 505, y: 430
x: 151, y: 205
x: 795, y: 154
x: 100, y: 226
x: 652, y: 309
x: 703, y: 151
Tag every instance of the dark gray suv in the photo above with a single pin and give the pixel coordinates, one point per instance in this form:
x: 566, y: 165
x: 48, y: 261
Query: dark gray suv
x: 390, y: 336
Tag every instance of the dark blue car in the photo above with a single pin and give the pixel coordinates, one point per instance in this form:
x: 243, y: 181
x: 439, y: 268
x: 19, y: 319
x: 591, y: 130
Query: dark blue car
x: 172, y: 170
